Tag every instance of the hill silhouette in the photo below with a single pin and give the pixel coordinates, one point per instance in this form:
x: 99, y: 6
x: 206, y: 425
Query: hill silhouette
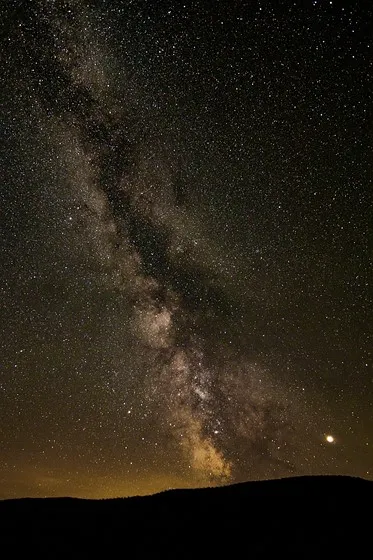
x: 302, y: 516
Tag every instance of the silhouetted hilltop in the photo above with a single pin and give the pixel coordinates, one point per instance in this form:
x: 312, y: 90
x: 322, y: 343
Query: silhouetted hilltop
x: 318, y: 514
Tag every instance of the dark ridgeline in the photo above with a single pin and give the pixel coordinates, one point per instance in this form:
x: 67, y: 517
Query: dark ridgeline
x: 307, y: 517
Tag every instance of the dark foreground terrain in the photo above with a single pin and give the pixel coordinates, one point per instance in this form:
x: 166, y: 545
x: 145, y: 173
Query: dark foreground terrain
x: 305, y: 517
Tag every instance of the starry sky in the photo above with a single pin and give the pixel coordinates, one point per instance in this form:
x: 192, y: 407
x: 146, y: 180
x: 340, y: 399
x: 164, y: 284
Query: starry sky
x: 186, y: 215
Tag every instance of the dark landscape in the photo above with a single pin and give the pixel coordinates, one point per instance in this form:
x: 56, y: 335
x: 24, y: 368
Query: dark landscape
x: 305, y: 514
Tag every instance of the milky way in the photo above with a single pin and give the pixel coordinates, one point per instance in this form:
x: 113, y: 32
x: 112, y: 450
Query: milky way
x: 191, y: 315
x: 138, y: 229
x: 138, y: 224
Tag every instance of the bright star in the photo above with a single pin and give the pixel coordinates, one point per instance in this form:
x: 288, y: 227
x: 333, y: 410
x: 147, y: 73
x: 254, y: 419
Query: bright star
x: 330, y: 439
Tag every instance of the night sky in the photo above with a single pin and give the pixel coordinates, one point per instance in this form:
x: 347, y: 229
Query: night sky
x: 186, y: 250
